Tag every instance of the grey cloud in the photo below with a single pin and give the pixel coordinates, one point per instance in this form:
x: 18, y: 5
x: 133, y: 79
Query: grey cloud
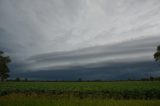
x: 124, y: 50
x: 134, y: 70
x: 64, y: 34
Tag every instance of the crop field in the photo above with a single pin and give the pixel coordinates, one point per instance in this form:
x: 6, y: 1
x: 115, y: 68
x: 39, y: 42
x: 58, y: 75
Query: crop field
x: 122, y: 93
x: 47, y: 100
x: 122, y: 89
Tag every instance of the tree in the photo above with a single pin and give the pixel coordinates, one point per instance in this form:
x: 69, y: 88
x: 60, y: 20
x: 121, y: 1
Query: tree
x: 4, y: 70
x: 157, y: 54
x: 25, y: 79
x: 17, y: 79
x: 79, y: 80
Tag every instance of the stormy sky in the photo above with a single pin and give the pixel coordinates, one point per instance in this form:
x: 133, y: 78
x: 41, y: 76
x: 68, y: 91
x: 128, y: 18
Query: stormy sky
x: 88, y: 39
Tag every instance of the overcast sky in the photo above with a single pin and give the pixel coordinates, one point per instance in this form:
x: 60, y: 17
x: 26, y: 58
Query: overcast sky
x: 92, y: 39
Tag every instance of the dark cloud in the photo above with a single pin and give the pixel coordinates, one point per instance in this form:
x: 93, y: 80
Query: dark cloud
x: 112, y: 71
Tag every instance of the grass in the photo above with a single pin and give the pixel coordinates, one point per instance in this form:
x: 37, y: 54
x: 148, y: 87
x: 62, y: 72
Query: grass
x: 49, y: 100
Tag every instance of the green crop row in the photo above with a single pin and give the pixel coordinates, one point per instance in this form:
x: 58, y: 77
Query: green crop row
x: 116, y: 90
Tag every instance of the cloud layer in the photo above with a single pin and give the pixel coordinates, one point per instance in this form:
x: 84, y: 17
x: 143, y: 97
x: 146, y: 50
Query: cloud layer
x: 79, y: 34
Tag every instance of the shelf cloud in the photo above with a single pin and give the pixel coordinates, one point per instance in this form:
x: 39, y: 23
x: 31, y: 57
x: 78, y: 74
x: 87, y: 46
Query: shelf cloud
x: 75, y: 36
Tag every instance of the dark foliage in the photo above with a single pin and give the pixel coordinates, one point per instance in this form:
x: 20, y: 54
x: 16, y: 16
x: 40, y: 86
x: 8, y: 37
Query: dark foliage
x: 157, y: 54
x: 4, y: 70
x: 114, y: 94
x: 17, y: 79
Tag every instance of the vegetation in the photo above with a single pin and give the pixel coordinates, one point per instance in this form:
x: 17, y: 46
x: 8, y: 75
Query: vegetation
x: 4, y: 60
x: 48, y: 100
x: 151, y: 79
x: 115, y: 90
x: 157, y: 54
x: 17, y: 79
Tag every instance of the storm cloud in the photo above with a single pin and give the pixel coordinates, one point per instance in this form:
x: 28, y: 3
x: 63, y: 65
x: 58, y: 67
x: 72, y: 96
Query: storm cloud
x: 87, y: 37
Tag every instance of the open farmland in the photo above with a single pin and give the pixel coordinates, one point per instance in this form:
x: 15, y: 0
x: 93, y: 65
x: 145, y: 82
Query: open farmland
x: 116, y: 90
x: 122, y: 93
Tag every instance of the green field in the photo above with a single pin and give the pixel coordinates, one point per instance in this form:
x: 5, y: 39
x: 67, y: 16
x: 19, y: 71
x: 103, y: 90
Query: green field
x: 122, y: 89
x: 122, y: 93
x: 81, y: 86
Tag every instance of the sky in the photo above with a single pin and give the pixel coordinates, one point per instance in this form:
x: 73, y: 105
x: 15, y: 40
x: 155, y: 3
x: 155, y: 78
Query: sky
x: 88, y: 39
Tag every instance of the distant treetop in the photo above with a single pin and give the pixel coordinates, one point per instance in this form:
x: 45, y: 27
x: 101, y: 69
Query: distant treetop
x: 4, y: 70
x: 157, y: 54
